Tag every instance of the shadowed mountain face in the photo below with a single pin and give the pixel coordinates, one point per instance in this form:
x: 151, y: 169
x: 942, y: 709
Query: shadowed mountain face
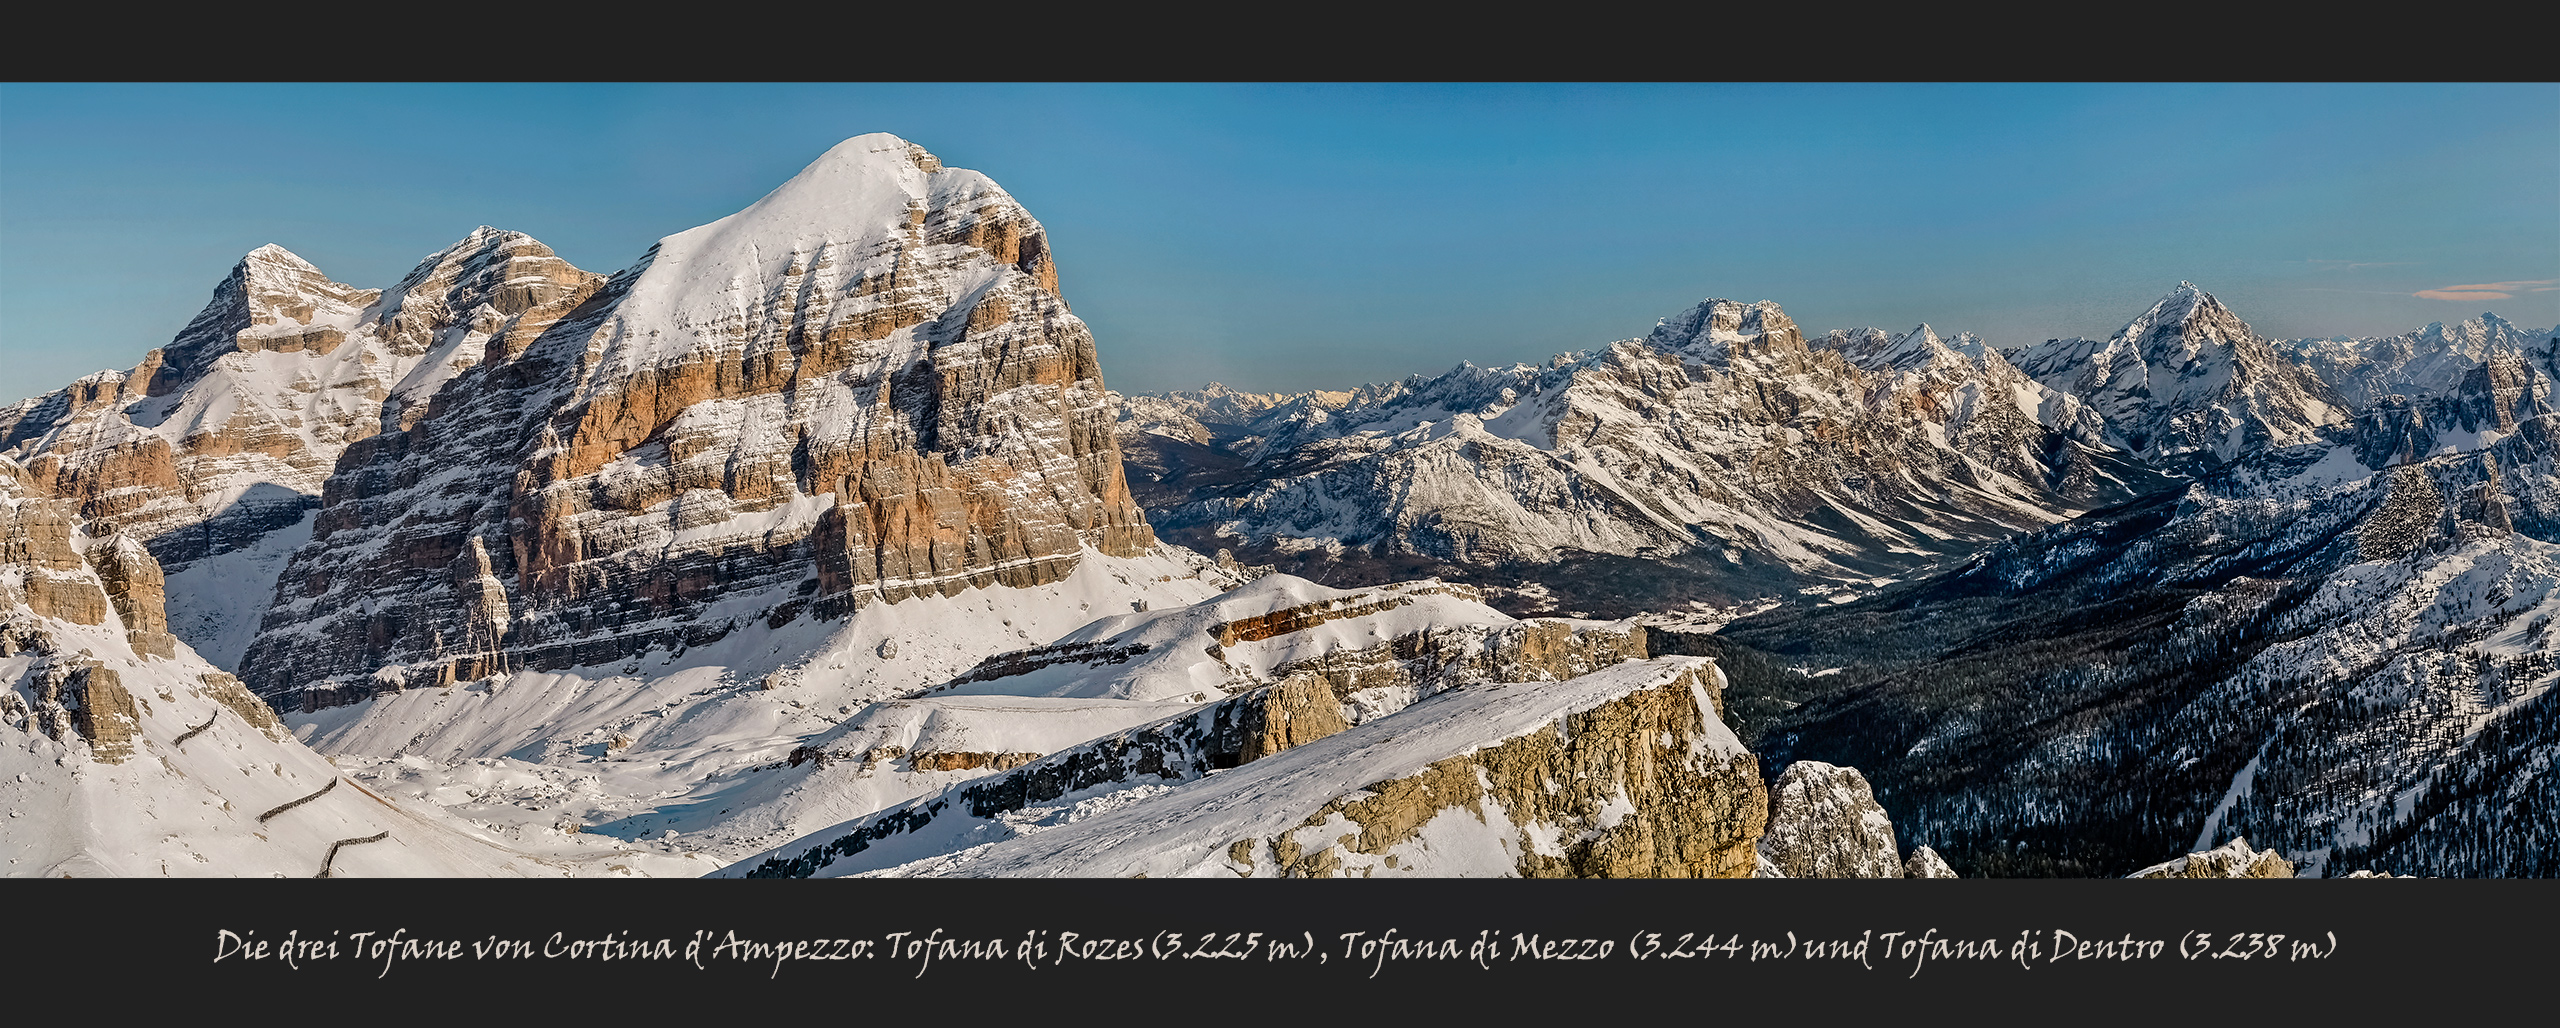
x: 2353, y: 669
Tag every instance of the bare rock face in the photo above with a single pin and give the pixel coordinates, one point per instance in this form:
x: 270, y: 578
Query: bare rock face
x: 134, y: 582
x: 1611, y: 780
x: 1926, y: 863
x: 48, y: 573
x: 1824, y: 823
x: 103, y: 712
x: 1299, y: 710
x: 229, y: 432
x: 2232, y: 859
x: 56, y: 564
x: 237, y: 699
x: 863, y: 388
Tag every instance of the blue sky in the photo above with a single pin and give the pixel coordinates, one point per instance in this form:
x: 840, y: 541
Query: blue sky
x: 1293, y: 237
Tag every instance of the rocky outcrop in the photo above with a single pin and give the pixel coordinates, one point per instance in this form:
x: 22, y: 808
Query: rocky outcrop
x: 1626, y: 772
x: 1824, y: 822
x: 243, y: 704
x: 102, y: 711
x: 2232, y: 859
x: 134, y: 582
x: 1926, y: 863
x: 1607, y: 794
x: 229, y: 432
x: 863, y: 388
x: 46, y: 571
x: 968, y: 761
x: 1300, y: 709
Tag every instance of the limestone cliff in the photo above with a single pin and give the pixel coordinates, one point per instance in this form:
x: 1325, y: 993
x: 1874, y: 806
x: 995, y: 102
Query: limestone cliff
x: 862, y: 388
x: 223, y: 440
x: 1824, y: 822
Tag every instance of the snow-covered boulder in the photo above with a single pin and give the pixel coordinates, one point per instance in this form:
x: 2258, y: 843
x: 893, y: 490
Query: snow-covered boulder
x: 2232, y: 859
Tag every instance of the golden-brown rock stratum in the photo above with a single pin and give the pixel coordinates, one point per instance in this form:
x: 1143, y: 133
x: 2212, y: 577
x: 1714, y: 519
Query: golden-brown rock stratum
x: 862, y: 388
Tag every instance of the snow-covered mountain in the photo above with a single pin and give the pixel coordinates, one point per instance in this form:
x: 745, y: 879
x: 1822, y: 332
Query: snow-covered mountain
x: 804, y: 546
x: 860, y: 389
x: 585, y: 546
x: 2188, y: 384
x: 1723, y: 443
x: 2431, y: 361
x: 215, y: 450
x: 2439, y: 389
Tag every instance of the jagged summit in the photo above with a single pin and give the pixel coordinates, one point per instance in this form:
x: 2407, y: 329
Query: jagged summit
x: 2188, y: 382
x: 1877, y: 350
x: 1708, y: 332
x: 2186, y: 319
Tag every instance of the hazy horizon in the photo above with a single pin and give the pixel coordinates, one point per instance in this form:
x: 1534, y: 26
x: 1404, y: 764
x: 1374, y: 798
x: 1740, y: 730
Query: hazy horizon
x: 1296, y: 237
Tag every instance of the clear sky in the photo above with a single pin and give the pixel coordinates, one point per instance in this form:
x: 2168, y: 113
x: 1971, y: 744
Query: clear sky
x: 1294, y: 237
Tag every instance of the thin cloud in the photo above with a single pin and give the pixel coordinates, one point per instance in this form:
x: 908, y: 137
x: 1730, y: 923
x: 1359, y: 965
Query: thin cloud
x: 2337, y: 265
x: 2489, y: 290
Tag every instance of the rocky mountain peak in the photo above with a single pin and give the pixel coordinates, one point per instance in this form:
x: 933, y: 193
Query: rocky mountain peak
x: 273, y: 299
x: 2474, y: 336
x: 861, y: 388
x: 2188, y: 382
x: 2183, y: 324
x: 1709, y: 332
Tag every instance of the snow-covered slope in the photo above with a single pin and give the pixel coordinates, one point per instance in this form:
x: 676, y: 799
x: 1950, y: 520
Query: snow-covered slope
x: 1626, y: 771
x: 708, y: 750
x: 125, y: 754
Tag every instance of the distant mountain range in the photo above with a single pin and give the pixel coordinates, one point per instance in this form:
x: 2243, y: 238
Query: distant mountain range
x: 812, y: 544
